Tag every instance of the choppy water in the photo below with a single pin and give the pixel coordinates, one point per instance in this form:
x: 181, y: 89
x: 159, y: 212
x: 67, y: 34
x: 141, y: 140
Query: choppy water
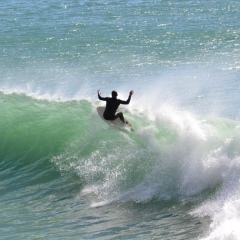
x: 66, y: 174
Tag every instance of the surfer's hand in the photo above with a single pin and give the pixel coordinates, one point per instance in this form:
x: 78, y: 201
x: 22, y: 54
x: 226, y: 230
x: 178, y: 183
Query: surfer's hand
x: 99, y: 92
x: 131, y: 93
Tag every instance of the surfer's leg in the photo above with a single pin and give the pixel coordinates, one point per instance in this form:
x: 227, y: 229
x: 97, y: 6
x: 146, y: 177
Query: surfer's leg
x: 120, y: 115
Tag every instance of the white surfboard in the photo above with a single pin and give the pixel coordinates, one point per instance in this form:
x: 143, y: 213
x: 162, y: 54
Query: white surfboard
x: 117, y: 122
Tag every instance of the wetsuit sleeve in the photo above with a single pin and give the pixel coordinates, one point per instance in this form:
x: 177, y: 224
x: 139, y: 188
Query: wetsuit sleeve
x: 101, y: 98
x: 126, y: 102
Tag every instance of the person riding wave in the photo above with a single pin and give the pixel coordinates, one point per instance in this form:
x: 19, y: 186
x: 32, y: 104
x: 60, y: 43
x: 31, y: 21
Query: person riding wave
x: 112, y: 105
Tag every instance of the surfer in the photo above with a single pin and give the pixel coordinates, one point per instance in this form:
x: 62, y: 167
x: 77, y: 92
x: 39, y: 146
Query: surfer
x: 112, y: 105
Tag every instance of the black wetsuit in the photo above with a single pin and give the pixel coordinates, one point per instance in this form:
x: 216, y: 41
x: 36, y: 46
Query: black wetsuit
x: 112, y: 106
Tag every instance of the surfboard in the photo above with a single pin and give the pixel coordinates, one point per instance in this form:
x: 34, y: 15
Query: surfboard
x: 117, y: 122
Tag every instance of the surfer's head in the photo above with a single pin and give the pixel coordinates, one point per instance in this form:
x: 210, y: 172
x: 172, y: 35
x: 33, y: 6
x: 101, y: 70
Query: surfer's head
x: 114, y: 94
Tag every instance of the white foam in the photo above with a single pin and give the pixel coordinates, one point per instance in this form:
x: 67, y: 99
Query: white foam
x: 224, y: 208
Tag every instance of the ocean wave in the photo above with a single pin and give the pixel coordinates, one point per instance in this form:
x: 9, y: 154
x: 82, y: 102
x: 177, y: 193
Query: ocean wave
x: 172, y: 154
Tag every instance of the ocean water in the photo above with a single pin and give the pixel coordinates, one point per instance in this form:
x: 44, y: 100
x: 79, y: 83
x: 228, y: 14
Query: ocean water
x: 66, y: 174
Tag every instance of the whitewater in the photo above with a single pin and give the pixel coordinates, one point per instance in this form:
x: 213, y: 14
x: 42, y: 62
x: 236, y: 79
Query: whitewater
x: 66, y: 174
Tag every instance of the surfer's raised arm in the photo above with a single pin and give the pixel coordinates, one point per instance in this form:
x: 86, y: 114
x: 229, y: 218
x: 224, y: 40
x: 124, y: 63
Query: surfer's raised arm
x: 99, y: 96
x: 129, y: 98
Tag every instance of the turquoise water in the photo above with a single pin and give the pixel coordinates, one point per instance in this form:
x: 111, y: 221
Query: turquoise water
x: 66, y: 174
